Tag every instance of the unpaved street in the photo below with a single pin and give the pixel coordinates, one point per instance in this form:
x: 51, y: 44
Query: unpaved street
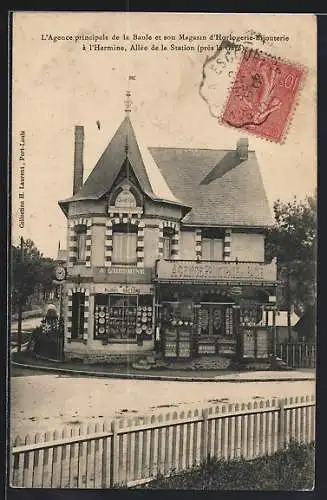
x: 42, y: 402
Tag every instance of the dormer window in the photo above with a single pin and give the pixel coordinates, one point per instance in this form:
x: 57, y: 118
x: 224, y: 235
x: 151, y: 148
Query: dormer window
x: 81, y: 243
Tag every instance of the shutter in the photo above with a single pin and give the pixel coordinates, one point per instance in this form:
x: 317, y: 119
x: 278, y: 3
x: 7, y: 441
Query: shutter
x: 206, y: 249
x: 118, y: 248
x: 217, y: 249
x: 81, y: 244
x: 124, y: 248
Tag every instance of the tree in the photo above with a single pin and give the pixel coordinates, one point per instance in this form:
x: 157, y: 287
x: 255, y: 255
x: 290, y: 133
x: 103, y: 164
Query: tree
x: 293, y: 241
x: 30, y: 270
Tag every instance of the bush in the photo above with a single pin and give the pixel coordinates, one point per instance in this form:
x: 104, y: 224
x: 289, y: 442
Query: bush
x: 290, y: 469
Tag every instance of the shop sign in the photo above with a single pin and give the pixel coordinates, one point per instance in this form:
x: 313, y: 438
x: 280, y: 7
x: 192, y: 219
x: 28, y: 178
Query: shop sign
x: 123, y: 289
x: 121, y: 270
x: 215, y: 271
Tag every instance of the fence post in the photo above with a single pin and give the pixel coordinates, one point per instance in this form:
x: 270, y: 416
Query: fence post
x: 281, y: 424
x: 114, y: 457
x: 204, y: 435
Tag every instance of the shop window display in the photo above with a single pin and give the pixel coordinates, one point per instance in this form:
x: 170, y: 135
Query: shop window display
x: 123, y: 316
x: 178, y: 314
x: 177, y: 320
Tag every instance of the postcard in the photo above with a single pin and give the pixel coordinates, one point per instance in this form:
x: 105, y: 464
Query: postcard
x: 163, y: 250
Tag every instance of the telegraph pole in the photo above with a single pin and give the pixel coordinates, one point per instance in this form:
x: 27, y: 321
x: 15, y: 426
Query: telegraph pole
x: 20, y: 300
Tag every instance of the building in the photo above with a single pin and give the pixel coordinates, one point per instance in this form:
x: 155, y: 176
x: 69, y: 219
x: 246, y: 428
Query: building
x: 166, y: 252
x: 281, y: 324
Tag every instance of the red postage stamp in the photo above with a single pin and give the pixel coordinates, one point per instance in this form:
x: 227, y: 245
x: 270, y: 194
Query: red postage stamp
x: 263, y: 95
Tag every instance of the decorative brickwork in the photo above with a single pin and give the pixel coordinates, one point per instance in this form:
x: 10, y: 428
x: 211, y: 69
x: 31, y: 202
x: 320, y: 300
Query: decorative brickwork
x: 198, y: 243
x: 86, y: 292
x: 175, y: 238
x: 133, y: 218
x: 72, y: 249
x: 227, y: 244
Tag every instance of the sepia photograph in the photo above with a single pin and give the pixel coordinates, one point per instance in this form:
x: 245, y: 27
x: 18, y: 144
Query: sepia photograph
x: 163, y: 251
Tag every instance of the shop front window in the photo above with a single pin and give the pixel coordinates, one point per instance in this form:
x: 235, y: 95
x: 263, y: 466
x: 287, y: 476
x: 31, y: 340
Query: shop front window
x: 119, y: 316
x: 122, y: 316
x: 177, y: 314
x: 177, y: 321
x: 250, y: 316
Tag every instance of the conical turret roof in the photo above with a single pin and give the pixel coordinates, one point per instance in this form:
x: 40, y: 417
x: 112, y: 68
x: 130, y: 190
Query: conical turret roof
x: 126, y: 141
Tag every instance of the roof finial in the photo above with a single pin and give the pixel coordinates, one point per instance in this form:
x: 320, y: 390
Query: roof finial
x: 128, y: 102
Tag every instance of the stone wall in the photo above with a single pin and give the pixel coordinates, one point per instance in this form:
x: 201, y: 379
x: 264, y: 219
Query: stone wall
x: 95, y: 352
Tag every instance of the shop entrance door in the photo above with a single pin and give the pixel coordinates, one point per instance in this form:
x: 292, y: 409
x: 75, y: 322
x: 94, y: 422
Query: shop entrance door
x: 215, y: 328
x: 212, y: 320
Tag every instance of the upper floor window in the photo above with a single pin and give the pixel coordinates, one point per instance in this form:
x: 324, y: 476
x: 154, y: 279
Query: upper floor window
x: 168, y: 233
x: 81, y: 243
x: 124, y: 239
x: 212, y: 244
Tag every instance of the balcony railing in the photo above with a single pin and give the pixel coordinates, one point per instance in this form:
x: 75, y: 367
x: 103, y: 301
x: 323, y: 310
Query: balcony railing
x: 215, y: 271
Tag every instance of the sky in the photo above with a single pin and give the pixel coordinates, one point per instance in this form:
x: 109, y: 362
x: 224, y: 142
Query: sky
x: 57, y: 85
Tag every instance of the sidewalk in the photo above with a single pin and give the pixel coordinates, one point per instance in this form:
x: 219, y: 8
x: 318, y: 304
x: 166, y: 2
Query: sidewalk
x: 28, y: 361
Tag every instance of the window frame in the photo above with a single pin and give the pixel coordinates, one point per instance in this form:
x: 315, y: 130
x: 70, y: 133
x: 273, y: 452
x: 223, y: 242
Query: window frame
x: 134, y: 232
x: 80, y: 256
x: 212, y: 236
x: 167, y: 236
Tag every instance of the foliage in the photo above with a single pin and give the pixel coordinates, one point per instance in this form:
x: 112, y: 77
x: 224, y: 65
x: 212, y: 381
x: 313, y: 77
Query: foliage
x: 293, y: 241
x: 290, y: 469
x: 29, y: 273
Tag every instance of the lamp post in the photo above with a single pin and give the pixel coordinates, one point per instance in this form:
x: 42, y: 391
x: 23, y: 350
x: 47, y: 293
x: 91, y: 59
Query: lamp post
x: 60, y: 275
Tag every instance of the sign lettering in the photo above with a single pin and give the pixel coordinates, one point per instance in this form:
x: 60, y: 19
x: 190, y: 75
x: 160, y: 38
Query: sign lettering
x: 216, y: 270
x: 121, y: 270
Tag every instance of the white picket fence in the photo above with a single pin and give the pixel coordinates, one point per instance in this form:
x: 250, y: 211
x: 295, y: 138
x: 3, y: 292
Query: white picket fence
x: 133, y: 451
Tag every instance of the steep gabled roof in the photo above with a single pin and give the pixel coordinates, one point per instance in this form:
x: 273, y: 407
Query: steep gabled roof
x: 221, y: 189
x: 102, y: 177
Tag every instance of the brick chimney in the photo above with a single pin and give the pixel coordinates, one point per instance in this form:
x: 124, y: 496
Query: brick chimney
x: 78, y: 158
x: 242, y: 148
